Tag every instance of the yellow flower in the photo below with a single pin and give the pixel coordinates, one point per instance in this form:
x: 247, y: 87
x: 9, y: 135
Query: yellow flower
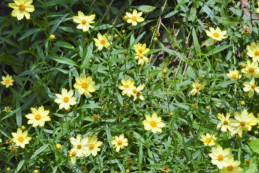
x: 232, y: 167
x: 7, y: 81
x: 220, y: 157
x: 7, y: 109
x: 153, y: 123
x: 20, y: 138
x: 127, y: 87
x: 102, y: 41
x: 134, y: 18
x: 65, y: 99
x: 93, y: 145
x: 250, y: 87
x: 253, y: 51
x: 80, y: 146
x: 197, y: 87
x: 84, y: 21
x: 73, y: 155
x: 251, y: 69
x: 234, y: 74
x: 216, y: 34
x: 243, y: 122
x: 21, y: 8
x: 38, y: 117
x: 84, y: 85
x: 52, y: 36
x: 208, y: 139
x: 120, y: 142
x: 225, y: 123
x: 141, y: 49
x: 137, y: 92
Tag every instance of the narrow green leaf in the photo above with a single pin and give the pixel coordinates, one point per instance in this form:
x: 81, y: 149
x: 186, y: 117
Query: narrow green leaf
x: 10, y: 60
x: 187, y: 152
x: 88, y: 55
x: 109, y: 136
x: 143, y: 8
x: 119, y: 97
x: 9, y: 41
x: 28, y: 33
x: 227, y: 21
x: 64, y: 44
x: 53, y: 29
x: 140, y: 156
x: 41, y: 149
x: 224, y: 84
x: 218, y: 49
x: 19, y: 166
x: 254, y: 146
x: 18, y: 114
x: 196, y: 42
x: 90, y: 106
x: 63, y: 60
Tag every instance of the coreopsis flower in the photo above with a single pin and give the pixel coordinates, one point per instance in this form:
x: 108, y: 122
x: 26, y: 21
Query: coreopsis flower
x: 142, y: 59
x: 93, y: 145
x: 220, y: 157
x: 21, y: 8
x: 250, y: 87
x: 38, y: 117
x: 127, y: 87
x: 232, y: 167
x: 84, y: 21
x: 134, y: 18
x: 153, y: 123
x: 251, y: 69
x: 120, y: 142
x: 216, y: 34
x: 7, y: 81
x: 84, y: 85
x: 65, y: 99
x: 253, y: 51
x: 73, y: 155
x: 7, y: 109
x: 20, y: 138
x: 208, y: 139
x: 102, y: 41
x: 197, y: 87
x: 225, y: 123
x: 234, y: 74
x: 140, y: 49
x: 1, y: 140
x: 137, y: 92
x: 165, y: 169
x: 243, y: 122
x: 80, y: 146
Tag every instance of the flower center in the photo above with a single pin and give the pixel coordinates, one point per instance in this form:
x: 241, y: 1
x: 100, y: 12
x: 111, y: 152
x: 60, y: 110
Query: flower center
x: 83, y: 21
x: 197, y: 87
x: 22, y: 7
x: 134, y: 90
x: 7, y: 81
x: 66, y: 99
x: 102, y: 41
x: 38, y: 117
x: 134, y: 18
x: 220, y: 157
x: 251, y: 69
x: 242, y: 124
x: 225, y: 123
x: 141, y: 57
x: 126, y: 86
x: 153, y: 123
x: 208, y: 140
x: 253, y: 86
x: 256, y: 52
x: 20, y: 139
x: 91, y: 146
x: 234, y: 76
x: 216, y: 35
x: 119, y: 142
x: 248, y: 162
x: 140, y: 51
x: 84, y: 84
x: 73, y: 153
x: 230, y: 168
x: 79, y: 146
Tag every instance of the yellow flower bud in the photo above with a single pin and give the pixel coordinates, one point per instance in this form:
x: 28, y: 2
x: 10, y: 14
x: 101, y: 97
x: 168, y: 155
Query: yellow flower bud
x: 58, y: 146
x: 52, y: 36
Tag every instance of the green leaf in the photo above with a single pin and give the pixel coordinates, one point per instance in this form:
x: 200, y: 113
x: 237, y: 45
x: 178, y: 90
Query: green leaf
x: 90, y: 106
x: 109, y: 136
x: 254, y: 146
x: 64, y: 44
x: 119, y: 97
x: 10, y: 60
x: 28, y: 33
x: 179, y: 4
x: 196, y: 42
x: 9, y: 41
x: 53, y: 29
x: 218, y: 49
x: 142, y: 8
x: 18, y: 114
x: 227, y: 21
x: 140, y: 156
x: 37, y: 152
x: 120, y: 165
x: 19, y: 166
x: 63, y: 60
x: 209, y: 42
x: 88, y: 55
x: 187, y: 152
x: 224, y: 84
